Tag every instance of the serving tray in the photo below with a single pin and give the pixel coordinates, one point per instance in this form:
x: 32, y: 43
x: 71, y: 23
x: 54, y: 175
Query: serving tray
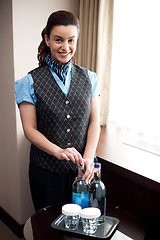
x: 103, y: 231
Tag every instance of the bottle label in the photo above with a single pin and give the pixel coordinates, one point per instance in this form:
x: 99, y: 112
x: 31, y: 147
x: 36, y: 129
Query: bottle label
x: 81, y: 199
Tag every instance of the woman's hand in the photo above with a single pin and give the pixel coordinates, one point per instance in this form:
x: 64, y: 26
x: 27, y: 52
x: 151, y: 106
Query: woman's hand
x: 70, y: 154
x: 89, y: 170
x: 29, y: 122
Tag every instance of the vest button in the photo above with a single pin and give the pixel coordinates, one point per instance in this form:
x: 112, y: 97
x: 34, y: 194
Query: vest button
x: 66, y: 102
x: 69, y: 144
x: 68, y: 116
x: 68, y: 130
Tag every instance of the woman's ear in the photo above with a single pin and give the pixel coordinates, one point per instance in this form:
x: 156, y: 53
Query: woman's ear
x: 46, y: 40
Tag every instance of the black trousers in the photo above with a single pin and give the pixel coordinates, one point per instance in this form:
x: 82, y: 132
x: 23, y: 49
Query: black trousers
x: 49, y: 188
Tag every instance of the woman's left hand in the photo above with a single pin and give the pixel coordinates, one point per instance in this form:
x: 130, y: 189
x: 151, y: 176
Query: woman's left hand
x: 89, y: 170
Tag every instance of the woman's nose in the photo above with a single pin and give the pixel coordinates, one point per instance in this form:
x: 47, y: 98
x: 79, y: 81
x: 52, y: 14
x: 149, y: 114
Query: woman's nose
x: 65, y: 46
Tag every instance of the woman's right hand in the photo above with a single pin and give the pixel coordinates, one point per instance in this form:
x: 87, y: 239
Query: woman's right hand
x: 29, y: 122
x: 70, y: 154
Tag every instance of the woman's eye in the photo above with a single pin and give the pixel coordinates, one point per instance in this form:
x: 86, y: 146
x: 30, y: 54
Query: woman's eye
x: 58, y: 40
x: 71, y: 40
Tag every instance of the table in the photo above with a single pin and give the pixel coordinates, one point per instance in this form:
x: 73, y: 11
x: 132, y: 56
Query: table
x: 38, y: 226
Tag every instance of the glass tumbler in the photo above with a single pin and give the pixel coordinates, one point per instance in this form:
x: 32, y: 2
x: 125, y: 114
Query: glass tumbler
x: 71, y: 215
x: 89, y: 218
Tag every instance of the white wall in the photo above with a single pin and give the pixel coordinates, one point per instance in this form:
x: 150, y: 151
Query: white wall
x: 18, y: 56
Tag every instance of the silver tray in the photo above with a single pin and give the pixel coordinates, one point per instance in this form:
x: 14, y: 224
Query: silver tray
x: 103, y: 231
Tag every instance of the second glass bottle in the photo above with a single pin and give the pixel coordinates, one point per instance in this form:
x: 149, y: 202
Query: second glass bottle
x: 97, y: 193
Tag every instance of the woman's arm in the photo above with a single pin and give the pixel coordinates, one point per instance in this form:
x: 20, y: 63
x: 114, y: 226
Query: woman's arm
x: 29, y: 122
x: 92, y: 138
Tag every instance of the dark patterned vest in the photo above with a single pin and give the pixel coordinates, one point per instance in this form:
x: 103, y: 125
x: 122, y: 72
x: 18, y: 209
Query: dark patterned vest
x: 62, y: 119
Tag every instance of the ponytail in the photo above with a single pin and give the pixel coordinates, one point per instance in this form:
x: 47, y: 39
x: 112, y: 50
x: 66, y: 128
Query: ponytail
x: 43, y: 49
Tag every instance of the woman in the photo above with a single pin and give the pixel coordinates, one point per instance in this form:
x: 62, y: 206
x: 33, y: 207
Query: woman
x: 59, y: 109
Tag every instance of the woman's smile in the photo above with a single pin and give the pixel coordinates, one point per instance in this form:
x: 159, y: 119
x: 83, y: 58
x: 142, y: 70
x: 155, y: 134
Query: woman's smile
x: 64, y: 53
x: 62, y: 43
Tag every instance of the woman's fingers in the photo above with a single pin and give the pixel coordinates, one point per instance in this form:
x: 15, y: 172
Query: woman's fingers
x: 89, y: 170
x: 64, y: 156
x: 73, y: 155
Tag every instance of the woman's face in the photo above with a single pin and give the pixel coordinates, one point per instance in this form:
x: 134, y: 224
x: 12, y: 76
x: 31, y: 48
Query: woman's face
x: 62, y: 42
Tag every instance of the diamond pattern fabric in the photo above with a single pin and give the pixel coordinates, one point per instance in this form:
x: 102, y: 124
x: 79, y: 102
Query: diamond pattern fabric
x: 62, y: 119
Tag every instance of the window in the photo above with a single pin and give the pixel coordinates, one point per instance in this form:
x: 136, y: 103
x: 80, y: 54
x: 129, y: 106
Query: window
x: 135, y: 73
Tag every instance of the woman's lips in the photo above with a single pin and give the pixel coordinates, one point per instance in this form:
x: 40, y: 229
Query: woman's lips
x: 64, y: 54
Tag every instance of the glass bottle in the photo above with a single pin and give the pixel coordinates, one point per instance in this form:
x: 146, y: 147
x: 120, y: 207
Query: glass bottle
x: 97, y: 193
x: 80, y: 190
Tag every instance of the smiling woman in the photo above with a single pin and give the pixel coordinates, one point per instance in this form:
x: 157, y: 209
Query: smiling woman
x: 59, y: 108
x: 61, y: 31
x: 62, y: 43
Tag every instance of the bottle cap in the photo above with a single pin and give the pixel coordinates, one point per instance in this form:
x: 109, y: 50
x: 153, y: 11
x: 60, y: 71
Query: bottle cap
x: 81, y: 167
x: 90, y: 212
x: 71, y: 209
x: 97, y: 165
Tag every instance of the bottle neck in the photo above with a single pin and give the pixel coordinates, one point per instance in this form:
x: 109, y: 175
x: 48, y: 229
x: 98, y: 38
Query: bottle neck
x: 80, y: 171
x: 97, y: 174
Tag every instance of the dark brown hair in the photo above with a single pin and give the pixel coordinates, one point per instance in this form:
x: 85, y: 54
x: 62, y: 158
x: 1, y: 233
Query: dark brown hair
x: 58, y: 18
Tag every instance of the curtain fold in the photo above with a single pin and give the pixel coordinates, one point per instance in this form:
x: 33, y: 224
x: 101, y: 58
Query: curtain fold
x: 104, y: 53
x: 87, y: 13
x: 95, y: 44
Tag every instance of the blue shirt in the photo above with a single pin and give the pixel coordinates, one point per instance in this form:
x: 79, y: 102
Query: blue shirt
x: 24, y: 88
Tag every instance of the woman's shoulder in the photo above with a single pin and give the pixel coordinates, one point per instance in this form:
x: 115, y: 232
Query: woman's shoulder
x: 24, y: 90
x: 24, y: 81
x: 88, y: 72
x: 92, y: 76
x: 38, y: 69
x: 77, y: 67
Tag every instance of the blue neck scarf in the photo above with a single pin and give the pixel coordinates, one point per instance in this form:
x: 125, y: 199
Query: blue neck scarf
x: 59, y: 69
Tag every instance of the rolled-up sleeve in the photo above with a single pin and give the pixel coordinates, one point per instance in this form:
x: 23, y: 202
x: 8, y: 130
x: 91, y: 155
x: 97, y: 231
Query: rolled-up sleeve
x: 96, y: 91
x: 24, y: 90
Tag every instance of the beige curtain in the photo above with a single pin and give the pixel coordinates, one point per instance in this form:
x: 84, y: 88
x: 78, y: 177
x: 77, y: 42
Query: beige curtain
x: 87, y: 13
x: 95, y: 44
x: 104, y: 50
